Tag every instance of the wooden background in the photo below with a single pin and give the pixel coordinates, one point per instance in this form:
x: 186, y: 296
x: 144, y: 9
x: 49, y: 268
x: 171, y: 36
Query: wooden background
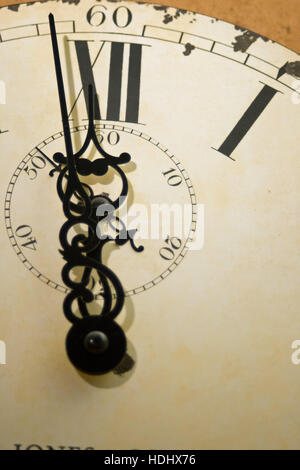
x: 278, y: 20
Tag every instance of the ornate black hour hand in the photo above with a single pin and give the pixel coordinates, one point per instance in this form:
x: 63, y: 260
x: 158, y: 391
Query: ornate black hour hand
x: 95, y: 343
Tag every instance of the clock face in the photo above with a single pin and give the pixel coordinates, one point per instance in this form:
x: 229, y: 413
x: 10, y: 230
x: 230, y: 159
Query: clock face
x: 211, y: 120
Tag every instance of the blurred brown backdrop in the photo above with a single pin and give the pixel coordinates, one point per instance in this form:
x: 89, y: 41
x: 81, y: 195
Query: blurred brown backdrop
x: 277, y: 19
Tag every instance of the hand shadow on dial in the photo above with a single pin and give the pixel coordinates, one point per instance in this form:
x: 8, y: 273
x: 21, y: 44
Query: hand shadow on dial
x: 111, y: 246
x: 70, y: 80
x: 125, y: 369
x: 79, y: 137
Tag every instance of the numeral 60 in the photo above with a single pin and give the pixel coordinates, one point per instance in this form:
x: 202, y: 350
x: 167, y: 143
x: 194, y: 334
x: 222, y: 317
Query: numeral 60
x: 121, y: 16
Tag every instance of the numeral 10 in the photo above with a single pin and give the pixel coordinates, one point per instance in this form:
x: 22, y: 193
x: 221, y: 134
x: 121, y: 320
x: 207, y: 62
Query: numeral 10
x: 173, y: 178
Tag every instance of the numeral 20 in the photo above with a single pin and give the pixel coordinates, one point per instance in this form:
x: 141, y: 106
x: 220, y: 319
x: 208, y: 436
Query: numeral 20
x: 168, y: 252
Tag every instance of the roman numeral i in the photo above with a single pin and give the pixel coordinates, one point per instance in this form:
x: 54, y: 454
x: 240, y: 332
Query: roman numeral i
x: 248, y: 119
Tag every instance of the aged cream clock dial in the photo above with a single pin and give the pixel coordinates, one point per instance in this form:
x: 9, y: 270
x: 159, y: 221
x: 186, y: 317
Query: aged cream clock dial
x: 149, y: 178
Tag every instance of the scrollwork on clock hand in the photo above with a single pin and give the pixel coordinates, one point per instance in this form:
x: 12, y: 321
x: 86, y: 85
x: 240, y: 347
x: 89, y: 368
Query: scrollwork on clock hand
x: 85, y: 250
x: 95, y: 343
x: 99, y: 166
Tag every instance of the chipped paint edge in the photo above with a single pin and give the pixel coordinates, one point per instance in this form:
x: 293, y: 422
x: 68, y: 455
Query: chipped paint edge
x: 241, y: 42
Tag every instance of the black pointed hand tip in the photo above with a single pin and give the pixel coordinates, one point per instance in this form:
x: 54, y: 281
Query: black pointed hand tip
x: 51, y: 23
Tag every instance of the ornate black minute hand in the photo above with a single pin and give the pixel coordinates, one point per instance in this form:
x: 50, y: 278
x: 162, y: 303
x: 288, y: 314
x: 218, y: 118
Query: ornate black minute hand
x: 95, y: 343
